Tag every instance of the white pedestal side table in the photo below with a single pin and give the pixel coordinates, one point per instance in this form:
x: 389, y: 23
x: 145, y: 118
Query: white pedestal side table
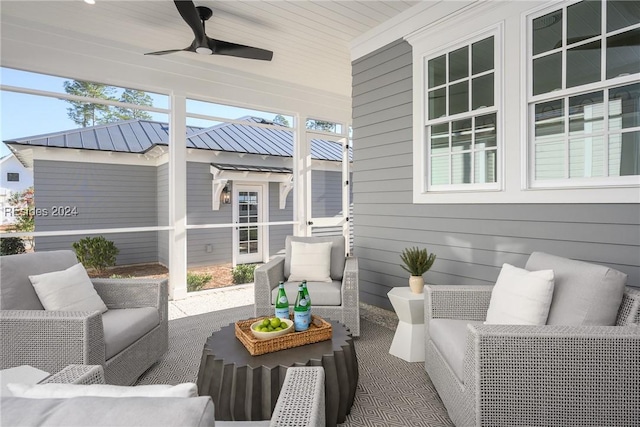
x: 408, y: 342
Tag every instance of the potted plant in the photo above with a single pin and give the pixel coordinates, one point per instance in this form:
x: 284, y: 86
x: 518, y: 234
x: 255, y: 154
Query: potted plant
x: 417, y: 261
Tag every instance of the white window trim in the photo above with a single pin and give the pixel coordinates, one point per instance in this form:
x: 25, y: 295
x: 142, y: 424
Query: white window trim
x: 452, y: 193
x: 626, y: 186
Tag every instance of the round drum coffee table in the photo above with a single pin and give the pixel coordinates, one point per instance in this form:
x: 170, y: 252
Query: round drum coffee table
x: 245, y: 387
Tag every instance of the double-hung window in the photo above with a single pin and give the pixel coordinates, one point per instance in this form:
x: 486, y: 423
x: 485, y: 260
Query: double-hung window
x: 584, y: 95
x: 461, y: 117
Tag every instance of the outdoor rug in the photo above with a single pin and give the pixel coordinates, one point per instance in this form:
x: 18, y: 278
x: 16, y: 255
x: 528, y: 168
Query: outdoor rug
x: 391, y: 392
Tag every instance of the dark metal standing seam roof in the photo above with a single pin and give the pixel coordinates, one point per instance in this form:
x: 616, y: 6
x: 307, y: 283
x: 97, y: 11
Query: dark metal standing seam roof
x: 140, y: 136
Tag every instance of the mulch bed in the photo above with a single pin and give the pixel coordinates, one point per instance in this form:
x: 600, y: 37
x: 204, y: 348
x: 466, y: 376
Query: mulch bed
x: 221, y: 274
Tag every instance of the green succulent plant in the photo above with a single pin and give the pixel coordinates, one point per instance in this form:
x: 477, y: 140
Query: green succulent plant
x: 417, y: 261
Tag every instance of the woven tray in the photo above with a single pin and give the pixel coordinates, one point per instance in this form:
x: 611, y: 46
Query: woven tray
x: 319, y: 330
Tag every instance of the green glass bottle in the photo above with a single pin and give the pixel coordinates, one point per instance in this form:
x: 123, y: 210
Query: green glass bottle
x: 300, y: 316
x: 282, y: 303
x: 308, y: 298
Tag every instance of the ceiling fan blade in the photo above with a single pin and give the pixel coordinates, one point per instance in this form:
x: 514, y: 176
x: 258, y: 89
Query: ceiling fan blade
x: 166, y: 52
x: 191, y: 16
x: 219, y: 47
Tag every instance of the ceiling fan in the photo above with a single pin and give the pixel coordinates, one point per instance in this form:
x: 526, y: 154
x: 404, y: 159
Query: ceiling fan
x: 195, y: 17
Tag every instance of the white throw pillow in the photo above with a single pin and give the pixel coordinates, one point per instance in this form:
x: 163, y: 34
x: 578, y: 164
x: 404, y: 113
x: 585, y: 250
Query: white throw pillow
x: 67, y: 290
x: 521, y: 297
x: 310, y: 261
x: 59, y: 391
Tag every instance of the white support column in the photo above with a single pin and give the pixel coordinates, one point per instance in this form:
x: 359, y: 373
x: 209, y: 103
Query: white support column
x: 300, y: 152
x: 178, y: 198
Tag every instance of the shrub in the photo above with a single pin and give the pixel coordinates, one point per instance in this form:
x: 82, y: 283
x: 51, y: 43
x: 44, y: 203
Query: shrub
x: 243, y: 273
x: 196, y: 282
x: 417, y: 261
x: 11, y: 246
x: 96, y: 252
x: 121, y: 276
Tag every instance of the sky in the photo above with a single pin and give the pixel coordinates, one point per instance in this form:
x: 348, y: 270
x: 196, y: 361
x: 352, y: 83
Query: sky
x: 29, y: 115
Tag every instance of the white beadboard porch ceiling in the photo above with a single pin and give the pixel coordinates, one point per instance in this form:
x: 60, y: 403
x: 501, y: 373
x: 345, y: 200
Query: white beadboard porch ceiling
x: 310, y: 39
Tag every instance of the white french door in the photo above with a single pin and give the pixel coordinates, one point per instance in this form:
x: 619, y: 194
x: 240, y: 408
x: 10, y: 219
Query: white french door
x: 249, y: 208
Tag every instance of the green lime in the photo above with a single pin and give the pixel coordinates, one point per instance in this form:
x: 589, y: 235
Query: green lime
x: 275, y: 322
x: 266, y: 322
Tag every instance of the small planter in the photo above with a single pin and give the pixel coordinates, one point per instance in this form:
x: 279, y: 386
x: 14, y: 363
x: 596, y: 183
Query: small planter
x: 416, y: 283
x: 417, y: 262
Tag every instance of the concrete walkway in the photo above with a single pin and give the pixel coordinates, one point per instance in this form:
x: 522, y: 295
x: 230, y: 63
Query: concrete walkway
x: 211, y: 300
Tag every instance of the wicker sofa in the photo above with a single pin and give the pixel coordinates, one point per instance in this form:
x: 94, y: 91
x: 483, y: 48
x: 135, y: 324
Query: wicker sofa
x: 338, y: 300
x: 127, y: 339
x: 300, y: 403
x: 557, y: 374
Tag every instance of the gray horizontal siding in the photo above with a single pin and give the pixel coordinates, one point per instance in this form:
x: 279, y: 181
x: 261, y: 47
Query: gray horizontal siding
x: 471, y: 241
x: 278, y: 233
x: 163, y: 213
x: 200, y: 211
x: 135, y: 248
x: 326, y: 193
x: 105, y: 196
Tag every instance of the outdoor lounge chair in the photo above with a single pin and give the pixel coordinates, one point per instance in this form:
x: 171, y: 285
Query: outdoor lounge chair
x: 126, y: 340
x: 337, y: 300
x: 564, y: 373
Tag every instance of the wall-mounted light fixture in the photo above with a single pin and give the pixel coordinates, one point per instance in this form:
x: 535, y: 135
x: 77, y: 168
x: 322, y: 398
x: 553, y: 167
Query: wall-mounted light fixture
x: 225, y: 196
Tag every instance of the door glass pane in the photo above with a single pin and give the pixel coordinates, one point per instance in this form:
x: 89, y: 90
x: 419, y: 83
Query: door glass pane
x: 461, y: 135
x: 583, y: 21
x: 459, y: 97
x: 622, y: 13
x: 440, y: 139
x: 586, y: 157
x: 624, y: 107
x: 440, y: 170
x: 623, y: 54
x: 247, y: 213
x: 437, y: 103
x: 482, y: 56
x: 437, y: 71
x: 583, y: 64
x: 547, y: 73
x: 482, y: 92
x: 485, y: 167
x: 547, y: 32
x: 459, y: 64
x: 485, y: 131
x: 461, y: 168
x: 586, y: 113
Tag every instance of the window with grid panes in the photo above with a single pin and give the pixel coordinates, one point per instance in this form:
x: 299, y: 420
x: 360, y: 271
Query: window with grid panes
x: 584, y: 94
x: 461, y: 123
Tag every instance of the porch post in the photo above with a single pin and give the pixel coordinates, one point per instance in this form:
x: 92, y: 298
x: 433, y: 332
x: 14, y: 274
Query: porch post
x: 178, y: 198
x: 300, y: 193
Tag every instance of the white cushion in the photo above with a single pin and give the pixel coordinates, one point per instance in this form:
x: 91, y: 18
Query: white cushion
x: 310, y: 261
x: 521, y: 297
x: 67, y: 290
x: 44, y: 391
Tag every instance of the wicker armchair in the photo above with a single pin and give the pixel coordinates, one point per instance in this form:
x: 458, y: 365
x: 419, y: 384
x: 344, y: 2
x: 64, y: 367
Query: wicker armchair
x: 515, y: 375
x: 51, y: 340
x: 344, y: 272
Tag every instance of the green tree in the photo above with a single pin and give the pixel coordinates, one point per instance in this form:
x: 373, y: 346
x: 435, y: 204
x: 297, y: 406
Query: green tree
x: 321, y: 125
x: 88, y: 114
x: 137, y: 97
x: 281, y: 120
